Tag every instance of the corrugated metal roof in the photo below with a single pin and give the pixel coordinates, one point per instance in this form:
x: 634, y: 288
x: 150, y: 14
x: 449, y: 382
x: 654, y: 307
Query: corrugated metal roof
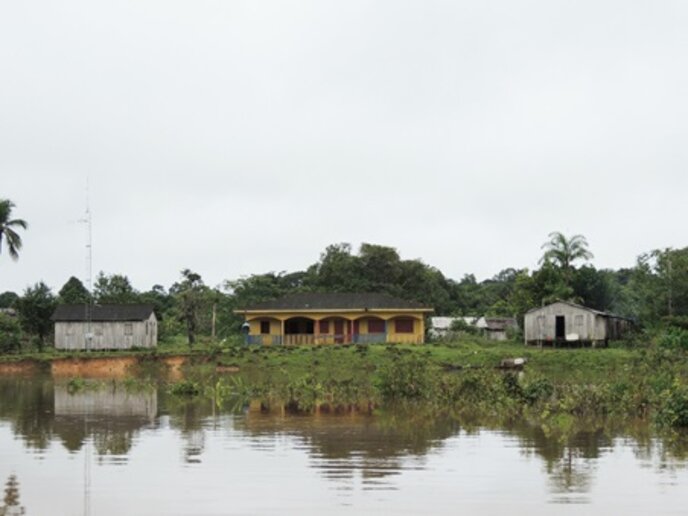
x: 336, y: 301
x: 111, y: 312
x: 569, y: 303
x: 500, y: 323
x: 444, y: 323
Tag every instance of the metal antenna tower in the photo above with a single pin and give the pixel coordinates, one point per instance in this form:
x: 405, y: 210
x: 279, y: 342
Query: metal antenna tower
x: 88, y: 307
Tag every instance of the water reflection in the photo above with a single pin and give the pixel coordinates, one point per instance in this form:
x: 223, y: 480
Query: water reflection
x: 349, y: 451
x: 111, y: 412
x: 345, y: 447
x: 11, y: 505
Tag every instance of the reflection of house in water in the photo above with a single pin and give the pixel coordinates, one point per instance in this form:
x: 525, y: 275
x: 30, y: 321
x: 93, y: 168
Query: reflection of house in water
x: 570, y: 462
x: 110, y: 412
x: 344, y: 447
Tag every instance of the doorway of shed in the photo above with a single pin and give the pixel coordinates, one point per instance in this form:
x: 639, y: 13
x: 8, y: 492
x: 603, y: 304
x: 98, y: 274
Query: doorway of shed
x: 560, y: 327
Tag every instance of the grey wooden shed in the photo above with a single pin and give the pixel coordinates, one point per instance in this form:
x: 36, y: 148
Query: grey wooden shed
x: 563, y: 322
x: 111, y: 326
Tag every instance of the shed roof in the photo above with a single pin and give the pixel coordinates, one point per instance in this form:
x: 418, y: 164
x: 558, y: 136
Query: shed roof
x: 337, y: 301
x: 575, y: 305
x: 112, y: 312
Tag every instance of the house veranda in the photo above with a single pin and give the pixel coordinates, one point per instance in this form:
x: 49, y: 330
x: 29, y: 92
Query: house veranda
x: 334, y: 318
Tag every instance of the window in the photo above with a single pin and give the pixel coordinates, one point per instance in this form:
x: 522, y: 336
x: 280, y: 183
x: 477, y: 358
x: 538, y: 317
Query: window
x: 265, y: 327
x: 403, y: 325
x: 376, y: 326
x: 98, y: 329
x: 578, y: 321
x: 541, y: 320
x: 324, y: 326
x: 128, y: 328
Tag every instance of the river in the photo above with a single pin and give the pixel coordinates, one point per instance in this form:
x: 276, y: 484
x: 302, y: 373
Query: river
x: 117, y: 448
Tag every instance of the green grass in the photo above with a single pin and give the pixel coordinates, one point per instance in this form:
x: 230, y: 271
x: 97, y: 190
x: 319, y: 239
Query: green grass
x: 624, y: 382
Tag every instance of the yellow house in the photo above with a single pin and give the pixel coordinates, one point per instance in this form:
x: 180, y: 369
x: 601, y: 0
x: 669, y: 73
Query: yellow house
x: 334, y: 318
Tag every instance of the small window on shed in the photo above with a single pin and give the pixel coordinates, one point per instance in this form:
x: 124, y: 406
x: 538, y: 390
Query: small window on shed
x: 128, y: 328
x: 265, y: 327
x: 403, y: 325
x: 578, y: 321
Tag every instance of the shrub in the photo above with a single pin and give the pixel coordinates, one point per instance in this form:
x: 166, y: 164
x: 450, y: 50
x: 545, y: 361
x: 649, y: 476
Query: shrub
x: 673, y: 408
x: 406, y: 376
x: 10, y: 334
x: 674, y: 338
x: 538, y: 389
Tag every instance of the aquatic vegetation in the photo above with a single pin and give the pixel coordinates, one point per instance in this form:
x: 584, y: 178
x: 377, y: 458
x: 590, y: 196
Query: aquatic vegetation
x: 185, y: 388
x: 75, y: 385
x: 673, y: 408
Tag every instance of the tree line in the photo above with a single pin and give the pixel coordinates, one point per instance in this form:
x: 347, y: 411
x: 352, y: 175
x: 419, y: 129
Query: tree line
x: 653, y: 292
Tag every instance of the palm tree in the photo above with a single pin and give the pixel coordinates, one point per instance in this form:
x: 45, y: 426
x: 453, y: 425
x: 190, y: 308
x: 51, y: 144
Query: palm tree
x: 7, y: 226
x: 564, y: 251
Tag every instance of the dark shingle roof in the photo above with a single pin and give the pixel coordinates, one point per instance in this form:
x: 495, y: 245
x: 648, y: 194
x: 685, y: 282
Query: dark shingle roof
x: 336, y: 301
x: 125, y: 312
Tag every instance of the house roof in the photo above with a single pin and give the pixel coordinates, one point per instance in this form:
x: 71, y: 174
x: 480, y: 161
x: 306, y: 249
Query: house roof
x: 337, y: 301
x: 499, y: 323
x: 588, y: 309
x: 444, y: 323
x: 104, y: 313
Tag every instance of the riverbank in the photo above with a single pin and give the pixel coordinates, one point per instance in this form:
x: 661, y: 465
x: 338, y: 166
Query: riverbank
x: 628, y: 383
x: 342, y: 359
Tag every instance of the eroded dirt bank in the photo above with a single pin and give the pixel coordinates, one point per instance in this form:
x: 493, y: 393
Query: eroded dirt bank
x: 90, y: 367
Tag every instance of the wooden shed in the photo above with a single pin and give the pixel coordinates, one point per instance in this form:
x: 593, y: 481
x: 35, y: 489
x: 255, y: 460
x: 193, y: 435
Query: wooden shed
x: 568, y: 323
x: 115, y: 326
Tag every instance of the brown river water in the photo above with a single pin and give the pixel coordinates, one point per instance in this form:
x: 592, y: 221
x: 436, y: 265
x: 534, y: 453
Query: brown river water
x: 117, y: 448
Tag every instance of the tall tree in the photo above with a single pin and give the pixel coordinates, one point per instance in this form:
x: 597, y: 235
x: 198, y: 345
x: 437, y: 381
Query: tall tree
x: 7, y: 228
x: 562, y: 252
x: 74, y: 292
x: 35, y: 308
x: 189, y: 294
x: 115, y: 288
x: 8, y: 298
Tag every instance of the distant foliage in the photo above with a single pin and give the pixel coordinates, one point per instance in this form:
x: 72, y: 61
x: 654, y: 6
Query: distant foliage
x: 114, y: 288
x: 654, y: 292
x: 74, y: 292
x: 10, y: 334
x: 8, y: 299
x: 35, y: 308
x: 674, y: 338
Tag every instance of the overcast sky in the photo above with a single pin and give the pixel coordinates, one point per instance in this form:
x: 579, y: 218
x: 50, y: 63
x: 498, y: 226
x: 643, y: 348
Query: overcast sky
x: 241, y: 137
